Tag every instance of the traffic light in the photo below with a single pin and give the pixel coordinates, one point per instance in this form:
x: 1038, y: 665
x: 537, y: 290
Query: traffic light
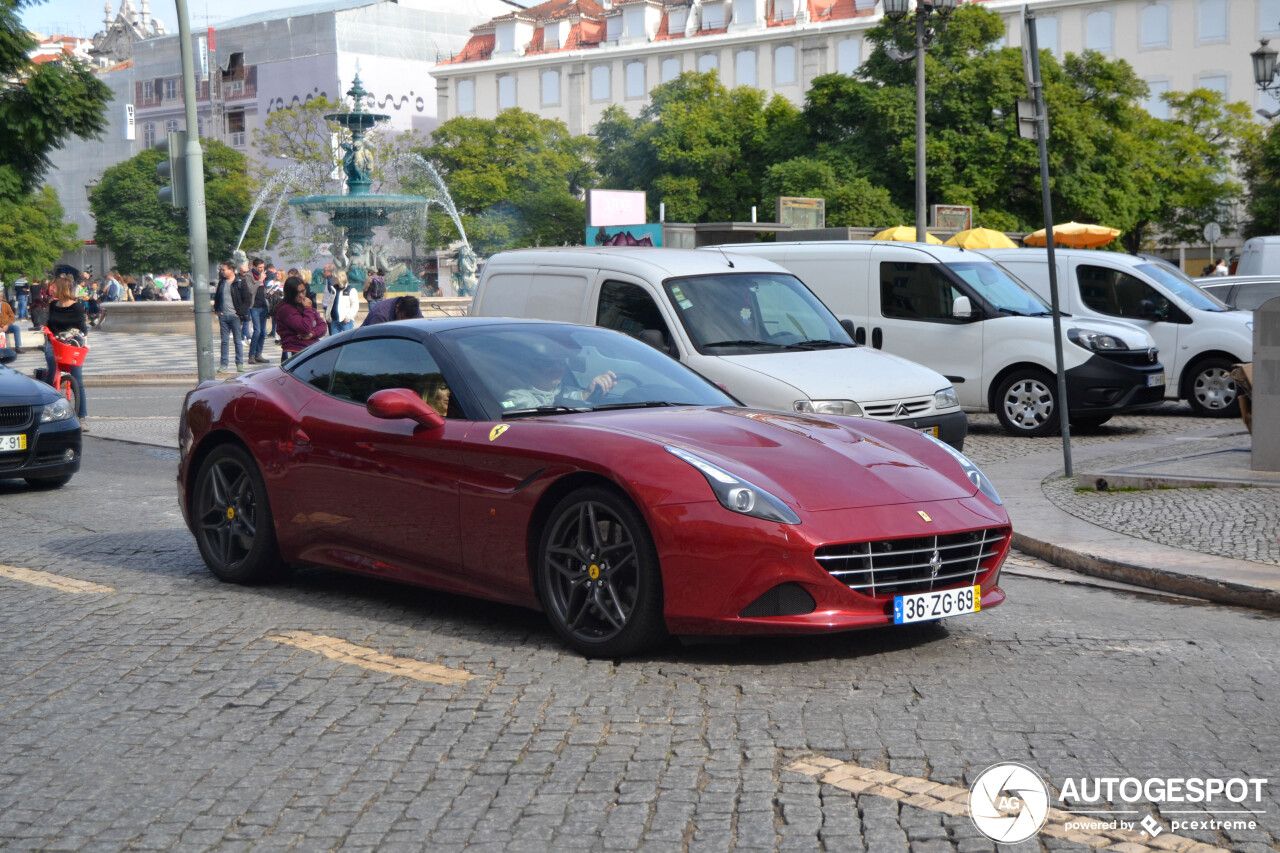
x: 175, y: 168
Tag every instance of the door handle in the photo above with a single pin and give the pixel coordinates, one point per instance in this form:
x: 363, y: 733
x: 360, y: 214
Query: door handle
x: 877, y: 337
x: 298, y: 440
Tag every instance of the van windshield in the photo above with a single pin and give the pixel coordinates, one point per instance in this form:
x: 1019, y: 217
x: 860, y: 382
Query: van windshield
x: 1000, y: 290
x: 753, y: 312
x: 1183, y: 287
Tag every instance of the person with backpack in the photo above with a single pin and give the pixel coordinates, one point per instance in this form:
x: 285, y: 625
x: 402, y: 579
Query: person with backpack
x: 376, y: 290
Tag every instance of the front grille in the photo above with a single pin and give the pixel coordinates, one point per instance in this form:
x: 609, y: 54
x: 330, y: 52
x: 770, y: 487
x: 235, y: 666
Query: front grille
x: 898, y: 409
x: 1134, y: 357
x: 14, y: 416
x: 889, y: 567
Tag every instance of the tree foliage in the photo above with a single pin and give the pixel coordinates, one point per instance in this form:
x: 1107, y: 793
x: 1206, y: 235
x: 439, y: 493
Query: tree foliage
x: 147, y: 234
x: 516, y: 180
x: 32, y: 234
x: 41, y: 106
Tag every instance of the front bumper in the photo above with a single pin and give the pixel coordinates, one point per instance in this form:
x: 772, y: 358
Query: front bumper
x: 53, y: 450
x: 717, y: 564
x: 951, y: 428
x: 1102, y: 386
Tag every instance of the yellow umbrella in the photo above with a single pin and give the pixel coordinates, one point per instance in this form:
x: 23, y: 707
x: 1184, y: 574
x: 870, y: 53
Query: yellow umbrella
x: 982, y: 238
x: 1075, y: 235
x: 905, y: 234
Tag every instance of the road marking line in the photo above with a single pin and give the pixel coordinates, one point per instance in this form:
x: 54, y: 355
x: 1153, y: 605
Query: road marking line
x: 58, y: 582
x: 949, y: 799
x: 344, y: 652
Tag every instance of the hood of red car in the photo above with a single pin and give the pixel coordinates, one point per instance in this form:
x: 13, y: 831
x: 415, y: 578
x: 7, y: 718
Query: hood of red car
x: 811, y: 462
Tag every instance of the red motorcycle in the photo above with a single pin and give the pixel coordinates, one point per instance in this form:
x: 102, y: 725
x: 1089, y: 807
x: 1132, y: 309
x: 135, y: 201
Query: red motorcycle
x: 65, y: 356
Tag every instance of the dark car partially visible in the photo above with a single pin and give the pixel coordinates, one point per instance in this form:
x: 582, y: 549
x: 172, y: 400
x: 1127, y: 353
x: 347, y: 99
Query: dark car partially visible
x: 40, y: 439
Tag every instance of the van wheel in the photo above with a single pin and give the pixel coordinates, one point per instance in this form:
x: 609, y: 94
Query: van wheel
x: 1027, y: 404
x: 1211, y: 391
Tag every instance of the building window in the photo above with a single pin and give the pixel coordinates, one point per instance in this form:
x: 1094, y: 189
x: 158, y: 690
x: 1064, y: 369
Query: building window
x: 1097, y: 32
x: 550, y: 88
x: 506, y: 92
x: 713, y: 16
x: 708, y: 62
x: 670, y: 69
x: 1212, y: 16
x: 1154, y: 104
x: 633, y: 23
x: 784, y: 66
x: 171, y: 88
x: 466, y: 97
x: 148, y: 90
x: 848, y: 56
x: 784, y: 10
x: 200, y: 126
x: 1269, y: 17
x: 1047, y: 34
x: 1155, y: 26
x: 148, y: 133
x: 744, y: 67
x: 171, y: 125
x: 601, y: 83
x: 235, y: 127
x: 635, y: 79
x: 1214, y: 82
x: 744, y: 11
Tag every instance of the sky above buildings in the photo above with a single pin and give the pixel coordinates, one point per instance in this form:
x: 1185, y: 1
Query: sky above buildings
x: 84, y: 17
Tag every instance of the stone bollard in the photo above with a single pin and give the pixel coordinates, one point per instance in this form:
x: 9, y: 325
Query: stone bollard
x: 1266, y: 387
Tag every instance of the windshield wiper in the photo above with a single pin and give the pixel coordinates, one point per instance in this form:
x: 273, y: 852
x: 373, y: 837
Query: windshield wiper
x: 824, y: 344
x: 544, y: 410
x: 647, y: 404
x: 745, y: 343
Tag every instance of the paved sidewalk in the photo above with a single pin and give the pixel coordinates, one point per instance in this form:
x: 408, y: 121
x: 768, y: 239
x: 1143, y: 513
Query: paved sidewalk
x: 1221, y: 544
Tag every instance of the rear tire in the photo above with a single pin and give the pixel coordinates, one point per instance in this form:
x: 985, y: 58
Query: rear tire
x: 1027, y: 404
x: 1211, y: 391
x: 231, y: 519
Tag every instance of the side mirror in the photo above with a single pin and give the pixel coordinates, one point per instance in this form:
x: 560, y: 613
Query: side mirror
x: 962, y: 308
x: 394, y: 403
x: 654, y: 338
x: 848, y: 326
x: 1147, y: 310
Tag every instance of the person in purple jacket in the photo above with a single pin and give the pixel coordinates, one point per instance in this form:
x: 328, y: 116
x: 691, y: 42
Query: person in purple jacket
x: 400, y: 308
x: 298, y: 322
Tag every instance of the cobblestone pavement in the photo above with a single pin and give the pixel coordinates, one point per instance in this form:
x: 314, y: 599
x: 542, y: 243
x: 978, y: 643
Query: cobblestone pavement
x: 163, y: 710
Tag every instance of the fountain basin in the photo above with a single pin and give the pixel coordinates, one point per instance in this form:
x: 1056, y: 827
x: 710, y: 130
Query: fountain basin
x: 358, y: 209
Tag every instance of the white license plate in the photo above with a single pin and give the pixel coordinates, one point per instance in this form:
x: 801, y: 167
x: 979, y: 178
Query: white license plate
x: 936, y: 605
x: 9, y: 443
x: 933, y: 431
x: 1155, y: 379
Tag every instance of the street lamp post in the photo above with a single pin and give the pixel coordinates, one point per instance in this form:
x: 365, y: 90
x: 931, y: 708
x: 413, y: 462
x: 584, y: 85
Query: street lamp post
x: 1264, y: 75
x: 896, y: 11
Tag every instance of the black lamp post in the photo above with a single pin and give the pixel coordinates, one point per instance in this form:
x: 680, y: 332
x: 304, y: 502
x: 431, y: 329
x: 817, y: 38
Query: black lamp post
x: 897, y: 11
x: 1264, y: 73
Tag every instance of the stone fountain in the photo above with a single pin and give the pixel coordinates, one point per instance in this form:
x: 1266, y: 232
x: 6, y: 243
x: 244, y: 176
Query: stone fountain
x: 359, y: 211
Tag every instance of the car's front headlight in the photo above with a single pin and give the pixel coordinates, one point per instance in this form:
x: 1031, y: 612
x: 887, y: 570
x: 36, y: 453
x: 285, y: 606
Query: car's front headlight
x: 970, y: 470
x: 828, y: 407
x: 1095, y: 341
x: 946, y: 398
x: 736, y: 494
x: 58, y: 410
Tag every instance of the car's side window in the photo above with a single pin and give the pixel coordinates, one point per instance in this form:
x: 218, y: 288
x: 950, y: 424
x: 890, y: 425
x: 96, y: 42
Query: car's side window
x: 912, y: 291
x: 1118, y: 294
x: 630, y: 309
x: 316, y: 371
x: 375, y: 364
x: 1250, y: 298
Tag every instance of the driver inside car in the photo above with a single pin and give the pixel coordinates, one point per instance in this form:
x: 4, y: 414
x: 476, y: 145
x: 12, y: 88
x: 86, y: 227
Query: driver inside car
x: 543, y: 384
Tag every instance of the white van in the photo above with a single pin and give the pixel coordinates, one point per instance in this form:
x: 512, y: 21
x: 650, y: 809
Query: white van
x: 744, y: 323
x: 1259, y: 256
x: 1199, y: 337
x: 957, y: 312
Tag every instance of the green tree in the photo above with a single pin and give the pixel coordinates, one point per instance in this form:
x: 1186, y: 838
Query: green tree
x: 148, y: 235
x: 516, y: 180
x: 851, y: 201
x: 1261, y: 167
x: 41, y: 106
x: 32, y: 233
x: 697, y: 147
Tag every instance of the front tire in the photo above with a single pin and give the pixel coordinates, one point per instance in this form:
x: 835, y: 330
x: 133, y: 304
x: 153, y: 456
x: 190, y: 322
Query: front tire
x: 1027, y: 404
x: 1211, y: 391
x: 598, y: 576
x: 232, y: 518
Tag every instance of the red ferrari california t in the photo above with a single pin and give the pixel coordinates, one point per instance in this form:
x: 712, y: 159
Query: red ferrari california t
x: 581, y: 472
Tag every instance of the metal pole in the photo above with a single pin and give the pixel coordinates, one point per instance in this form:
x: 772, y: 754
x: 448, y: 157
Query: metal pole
x: 922, y: 15
x: 1042, y: 132
x: 197, y: 227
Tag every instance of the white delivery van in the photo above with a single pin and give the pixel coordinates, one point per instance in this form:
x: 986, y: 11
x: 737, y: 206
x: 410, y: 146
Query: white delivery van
x: 744, y: 323
x: 1199, y: 337
x: 959, y: 313
x: 1259, y: 256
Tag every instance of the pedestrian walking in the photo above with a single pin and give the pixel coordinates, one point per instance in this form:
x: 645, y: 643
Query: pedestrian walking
x: 231, y: 301
x: 299, y: 323
x: 22, y: 293
x: 40, y: 300
x: 258, y: 315
x: 184, y: 287
x: 376, y: 290
x: 341, y: 303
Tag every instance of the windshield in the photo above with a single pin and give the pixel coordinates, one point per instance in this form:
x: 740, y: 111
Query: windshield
x: 533, y: 369
x: 754, y: 312
x: 999, y: 289
x: 1183, y: 287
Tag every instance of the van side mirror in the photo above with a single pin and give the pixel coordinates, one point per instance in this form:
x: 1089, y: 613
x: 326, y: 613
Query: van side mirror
x: 848, y: 326
x: 1147, y: 310
x: 655, y: 339
x: 962, y: 308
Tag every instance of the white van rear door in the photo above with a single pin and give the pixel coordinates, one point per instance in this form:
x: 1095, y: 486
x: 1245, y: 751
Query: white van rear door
x: 911, y: 316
